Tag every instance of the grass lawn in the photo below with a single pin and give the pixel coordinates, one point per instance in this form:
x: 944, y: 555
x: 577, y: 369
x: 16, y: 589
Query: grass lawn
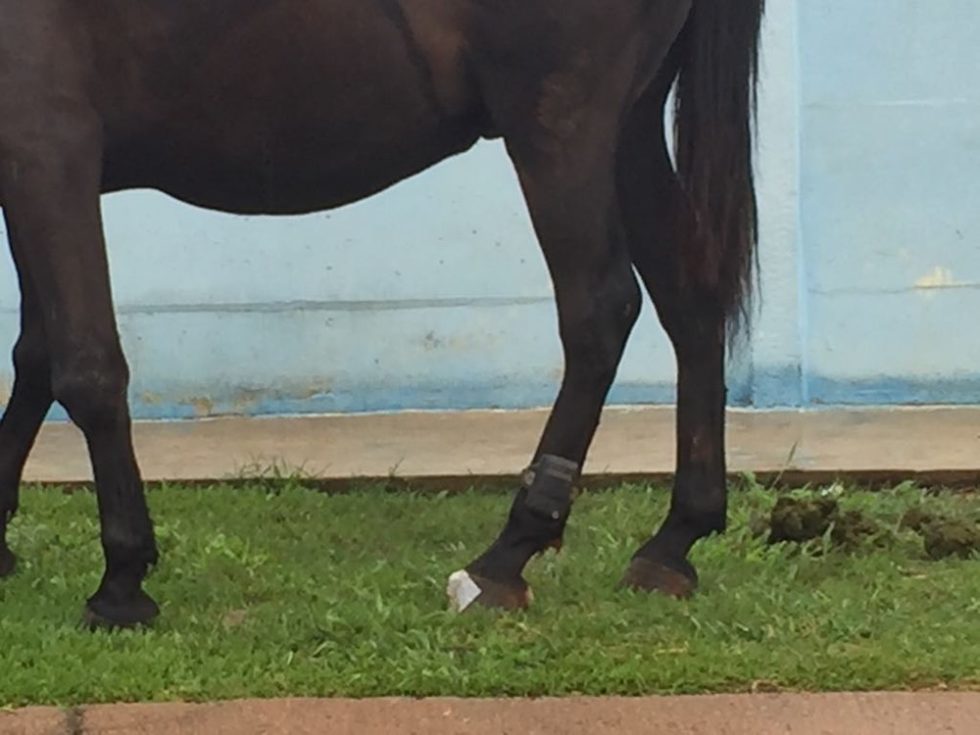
x: 290, y: 592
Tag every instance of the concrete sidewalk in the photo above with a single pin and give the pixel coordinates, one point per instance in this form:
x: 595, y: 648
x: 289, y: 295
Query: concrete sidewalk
x: 762, y: 714
x: 930, y: 444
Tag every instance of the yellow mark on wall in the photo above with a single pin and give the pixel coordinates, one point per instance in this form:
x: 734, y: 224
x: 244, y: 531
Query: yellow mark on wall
x: 939, y: 277
x: 203, y: 407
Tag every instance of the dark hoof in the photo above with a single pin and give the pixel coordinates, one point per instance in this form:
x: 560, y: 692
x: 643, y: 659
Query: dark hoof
x: 647, y: 575
x: 8, y: 562
x: 102, y: 615
x: 466, y: 590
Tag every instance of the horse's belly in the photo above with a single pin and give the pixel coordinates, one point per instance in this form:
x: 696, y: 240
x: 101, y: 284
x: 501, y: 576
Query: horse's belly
x: 301, y: 105
x: 295, y: 176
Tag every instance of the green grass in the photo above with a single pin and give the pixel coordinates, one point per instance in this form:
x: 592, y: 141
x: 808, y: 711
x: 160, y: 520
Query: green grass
x: 293, y: 592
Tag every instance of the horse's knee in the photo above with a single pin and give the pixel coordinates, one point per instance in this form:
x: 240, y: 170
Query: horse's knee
x: 91, y: 384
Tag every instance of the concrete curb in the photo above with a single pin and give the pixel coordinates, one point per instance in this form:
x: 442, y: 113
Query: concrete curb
x: 453, y: 450
x: 762, y: 714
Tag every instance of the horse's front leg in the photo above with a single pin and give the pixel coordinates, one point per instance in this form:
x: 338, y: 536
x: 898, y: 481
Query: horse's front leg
x: 51, y: 183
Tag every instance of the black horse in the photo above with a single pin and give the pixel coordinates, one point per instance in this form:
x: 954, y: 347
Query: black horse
x: 290, y: 106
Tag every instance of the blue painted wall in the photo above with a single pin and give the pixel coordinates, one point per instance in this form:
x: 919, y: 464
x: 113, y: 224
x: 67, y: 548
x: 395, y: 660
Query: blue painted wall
x: 434, y: 294
x: 890, y: 199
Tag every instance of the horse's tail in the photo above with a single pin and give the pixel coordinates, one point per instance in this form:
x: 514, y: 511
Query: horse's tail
x: 715, y: 103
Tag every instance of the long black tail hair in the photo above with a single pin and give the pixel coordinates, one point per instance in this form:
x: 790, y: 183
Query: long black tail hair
x: 715, y: 104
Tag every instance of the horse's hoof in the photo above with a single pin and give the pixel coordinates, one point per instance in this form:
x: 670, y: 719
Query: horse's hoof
x: 8, y: 562
x: 135, y: 613
x: 647, y: 575
x: 466, y: 590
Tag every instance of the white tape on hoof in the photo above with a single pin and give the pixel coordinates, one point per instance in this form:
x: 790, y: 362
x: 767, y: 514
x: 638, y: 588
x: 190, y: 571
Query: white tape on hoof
x: 462, y: 591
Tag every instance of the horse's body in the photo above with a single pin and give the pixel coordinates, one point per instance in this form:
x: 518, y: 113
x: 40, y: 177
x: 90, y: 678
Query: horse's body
x: 288, y: 106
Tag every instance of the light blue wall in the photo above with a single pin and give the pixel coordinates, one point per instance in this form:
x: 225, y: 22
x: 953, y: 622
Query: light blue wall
x: 434, y: 294
x: 890, y: 199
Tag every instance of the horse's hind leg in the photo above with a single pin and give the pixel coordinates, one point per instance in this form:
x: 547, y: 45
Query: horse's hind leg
x: 570, y: 193
x: 50, y: 186
x: 28, y: 405
x: 659, y: 223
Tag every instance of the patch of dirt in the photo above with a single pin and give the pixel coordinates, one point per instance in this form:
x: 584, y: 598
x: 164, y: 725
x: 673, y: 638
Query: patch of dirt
x: 951, y: 537
x: 916, y: 519
x: 801, y: 519
x: 852, y: 528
